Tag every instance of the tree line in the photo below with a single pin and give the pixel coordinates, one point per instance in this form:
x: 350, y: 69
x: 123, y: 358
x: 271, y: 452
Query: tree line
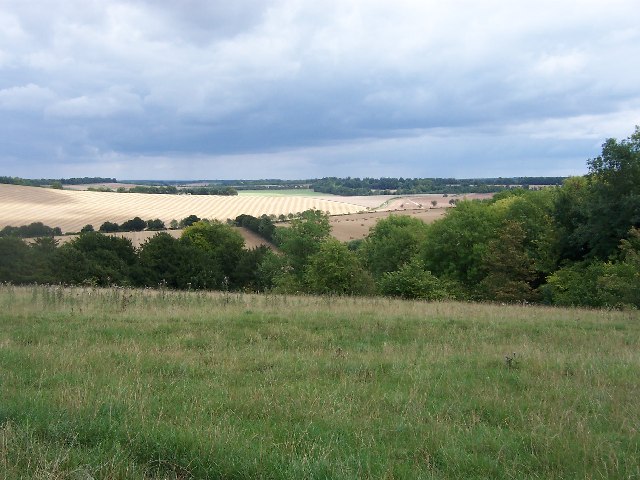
x: 38, y: 182
x: 576, y: 244
x: 409, y: 186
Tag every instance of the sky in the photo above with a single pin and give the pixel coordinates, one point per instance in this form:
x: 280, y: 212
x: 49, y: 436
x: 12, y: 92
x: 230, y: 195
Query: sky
x: 292, y: 89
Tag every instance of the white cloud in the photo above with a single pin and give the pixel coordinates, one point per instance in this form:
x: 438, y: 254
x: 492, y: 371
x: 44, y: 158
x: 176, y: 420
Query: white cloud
x: 114, y: 101
x: 25, y: 97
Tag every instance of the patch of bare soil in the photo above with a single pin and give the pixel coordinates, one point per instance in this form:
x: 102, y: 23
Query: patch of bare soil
x: 356, y: 226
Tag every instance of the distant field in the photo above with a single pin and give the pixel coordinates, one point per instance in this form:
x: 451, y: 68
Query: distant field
x: 296, y: 192
x: 352, y: 217
x: 71, y: 210
x: 117, y: 383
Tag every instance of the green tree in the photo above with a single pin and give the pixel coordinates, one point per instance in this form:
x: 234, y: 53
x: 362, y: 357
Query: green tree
x: 247, y: 274
x: 16, y: 262
x: 392, y: 242
x: 534, y: 212
x: 454, y: 246
x: 221, y: 246
x: 508, y: 268
x: 334, y: 269
x: 576, y: 284
x: 412, y: 280
x: 620, y: 280
x: 108, y: 227
x: 101, y: 259
x: 163, y: 260
x: 136, y: 224
x: 155, y: 225
x: 43, y: 267
x: 303, y: 238
x: 614, y: 205
x: 594, y: 213
x: 570, y: 212
x: 188, y: 221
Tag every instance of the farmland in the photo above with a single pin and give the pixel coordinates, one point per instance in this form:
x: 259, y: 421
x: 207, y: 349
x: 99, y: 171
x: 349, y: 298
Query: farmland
x: 352, y: 217
x: 71, y: 210
x: 157, y: 384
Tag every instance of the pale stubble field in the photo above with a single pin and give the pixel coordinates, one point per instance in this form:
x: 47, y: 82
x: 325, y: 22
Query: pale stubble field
x: 351, y: 217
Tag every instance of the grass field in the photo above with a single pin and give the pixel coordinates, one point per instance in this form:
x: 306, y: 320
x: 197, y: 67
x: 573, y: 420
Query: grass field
x: 296, y: 192
x: 122, y: 383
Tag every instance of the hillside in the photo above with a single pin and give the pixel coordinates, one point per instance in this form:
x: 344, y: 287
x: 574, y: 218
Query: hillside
x: 155, y: 384
x: 71, y: 210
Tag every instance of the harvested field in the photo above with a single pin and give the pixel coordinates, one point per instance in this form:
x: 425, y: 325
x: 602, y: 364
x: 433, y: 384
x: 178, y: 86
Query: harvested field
x: 356, y: 226
x: 410, y: 202
x: 71, y: 210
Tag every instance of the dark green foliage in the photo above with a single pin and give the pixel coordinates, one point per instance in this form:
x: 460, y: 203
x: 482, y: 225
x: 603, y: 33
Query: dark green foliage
x: 87, y: 228
x: 219, y: 247
x: 108, y: 227
x: 533, y: 212
x: 392, y: 243
x: 16, y: 261
x: 136, y: 224
x: 155, y: 225
x: 163, y: 189
x: 42, y: 262
x: 454, y: 246
x: 165, y: 261
x: 35, y: 229
x: 570, y: 215
x: 247, y: 273
x: 335, y: 270
x: 188, y: 221
x: 50, y: 181
x: 412, y: 280
x: 303, y: 238
x: 596, y: 212
x: 263, y: 226
x: 99, y: 259
x: 596, y: 283
x: 576, y: 284
x: 614, y: 200
x: 509, y: 271
x: 408, y: 186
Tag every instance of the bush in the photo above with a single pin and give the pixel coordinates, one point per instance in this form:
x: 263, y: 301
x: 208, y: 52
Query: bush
x: 413, y: 280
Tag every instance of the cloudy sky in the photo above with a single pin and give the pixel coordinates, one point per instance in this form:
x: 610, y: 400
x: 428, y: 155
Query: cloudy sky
x: 197, y: 89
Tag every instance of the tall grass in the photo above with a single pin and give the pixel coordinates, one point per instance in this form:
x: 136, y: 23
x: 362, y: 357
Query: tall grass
x: 119, y: 383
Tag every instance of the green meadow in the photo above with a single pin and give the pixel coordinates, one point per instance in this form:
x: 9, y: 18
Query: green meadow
x: 119, y: 383
x: 294, y: 192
